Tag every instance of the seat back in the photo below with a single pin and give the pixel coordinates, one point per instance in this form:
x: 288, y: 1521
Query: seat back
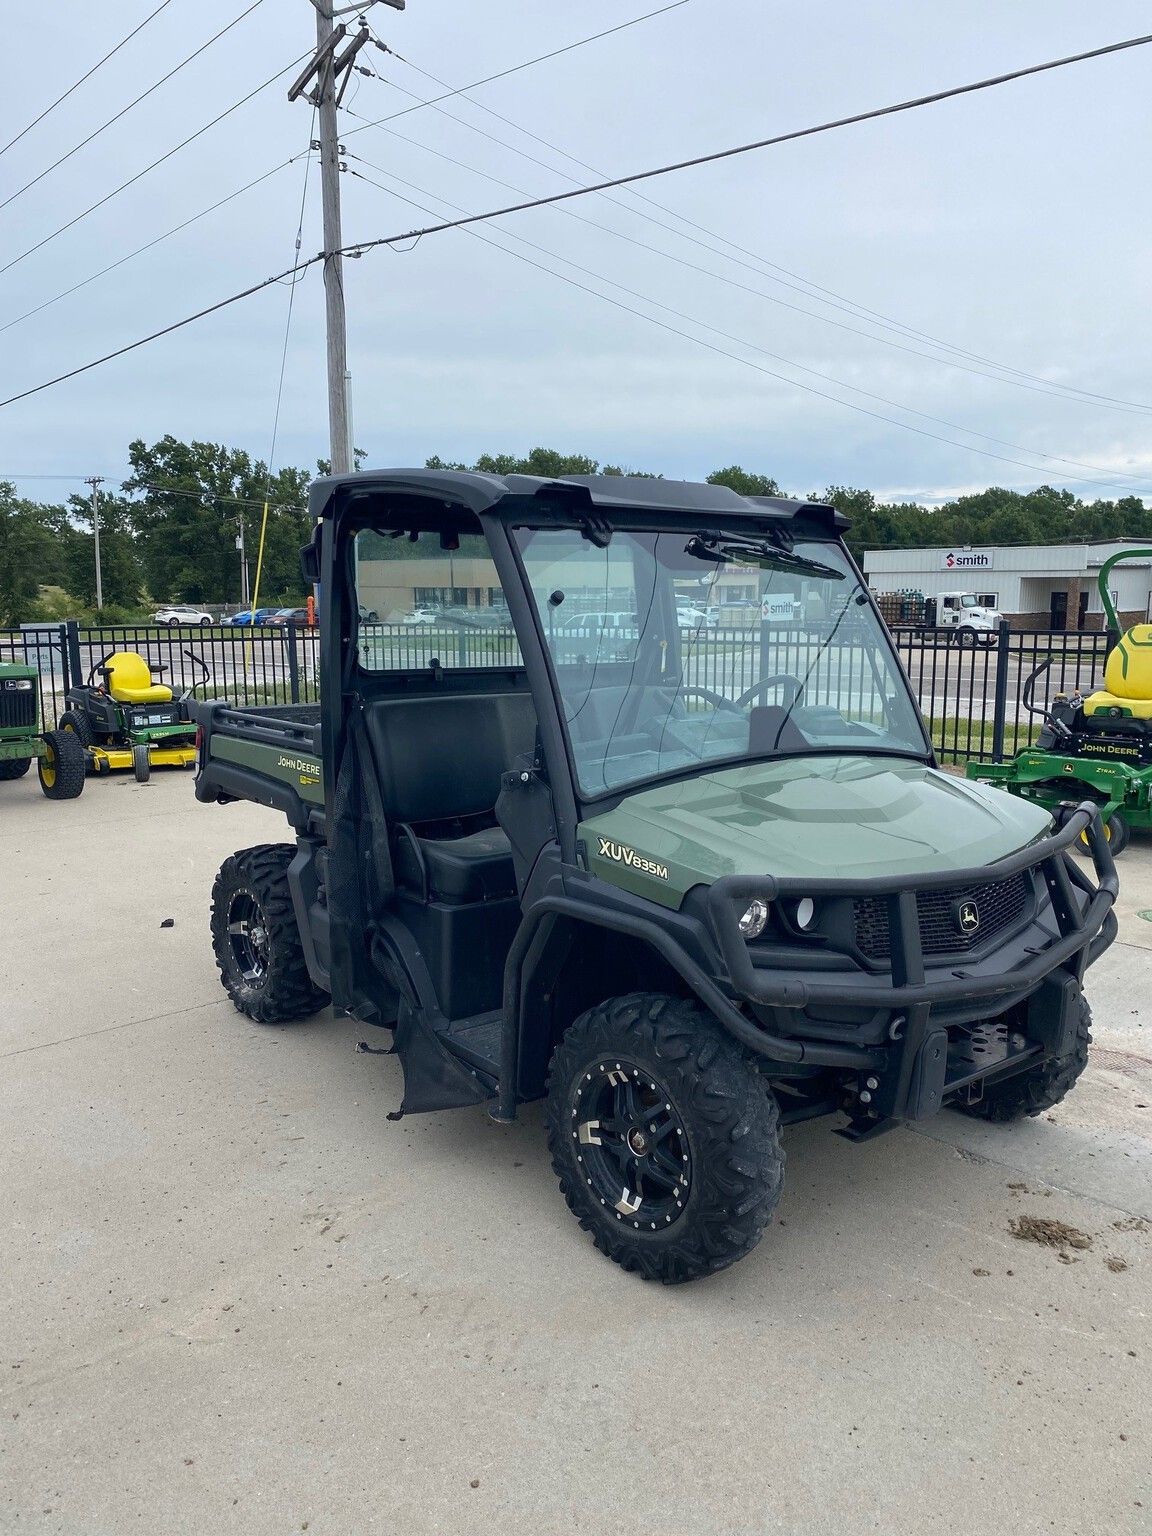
x: 441, y: 757
x: 128, y: 675
x: 1128, y: 671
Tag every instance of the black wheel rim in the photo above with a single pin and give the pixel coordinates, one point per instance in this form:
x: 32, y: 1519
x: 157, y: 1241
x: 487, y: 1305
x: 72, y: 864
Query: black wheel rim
x: 248, y: 938
x: 631, y: 1145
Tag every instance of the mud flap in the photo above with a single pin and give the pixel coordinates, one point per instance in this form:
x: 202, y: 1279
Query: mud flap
x: 433, y: 1077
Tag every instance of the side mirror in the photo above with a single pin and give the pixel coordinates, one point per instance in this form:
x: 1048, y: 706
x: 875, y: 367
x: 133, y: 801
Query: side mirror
x: 310, y: 563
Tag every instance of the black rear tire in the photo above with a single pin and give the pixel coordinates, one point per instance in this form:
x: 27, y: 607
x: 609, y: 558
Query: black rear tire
x: 1038, y: 1088
x: 63, y: 766
x: 14, y: 768
x: 256, y: 940
x: 696, y: 1102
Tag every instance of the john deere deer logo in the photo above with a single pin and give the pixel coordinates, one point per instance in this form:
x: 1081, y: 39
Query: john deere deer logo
x: 967, y: 917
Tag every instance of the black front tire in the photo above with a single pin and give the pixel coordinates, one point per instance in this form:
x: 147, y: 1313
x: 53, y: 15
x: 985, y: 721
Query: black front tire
x: 720, y: 1119
x: 141, y: 764
x: 256, y: 940
x: 63, y: 766
x: 14, y: 768
x: 1039, y: 1088
x: 78, y: 723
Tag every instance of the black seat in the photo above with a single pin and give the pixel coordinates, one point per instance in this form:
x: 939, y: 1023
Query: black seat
x: 439, y: 761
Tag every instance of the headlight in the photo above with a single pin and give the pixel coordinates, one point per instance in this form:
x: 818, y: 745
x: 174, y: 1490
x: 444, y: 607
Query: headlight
x: 752, y: 923
x: 805, y: 913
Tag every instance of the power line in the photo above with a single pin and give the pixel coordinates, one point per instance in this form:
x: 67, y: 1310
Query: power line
x: 735, y: 357
x: 810, y: 288
x: 757, y: 144
x: 167, y: 490
x: 159, y: 161
x: 528, y: 63
x: 467, y: 221
x: 140, y: 249
x: 96, y: 132
x: 166, y: 330
x: 716, y: 276
x: 292, y: 286
x: 82, y: 78
x: 727, y: 335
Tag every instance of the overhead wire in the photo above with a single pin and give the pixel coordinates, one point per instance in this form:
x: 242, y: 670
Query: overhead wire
x: 465, y: 224
x: 742, y: 340
x: 292, y: 286
x: 147, y: 246
x: 78, y: 83
x: 801, y: 284
x: 123, y: 112
x: 124, y: 185
x: 542, y: 57
x: 467, y: 221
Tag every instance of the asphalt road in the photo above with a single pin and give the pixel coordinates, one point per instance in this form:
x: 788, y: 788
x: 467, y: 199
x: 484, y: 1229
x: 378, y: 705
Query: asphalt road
x: 236, y: 1298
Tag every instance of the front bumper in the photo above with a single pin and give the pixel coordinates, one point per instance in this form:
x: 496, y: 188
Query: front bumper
x: 919, y: 1063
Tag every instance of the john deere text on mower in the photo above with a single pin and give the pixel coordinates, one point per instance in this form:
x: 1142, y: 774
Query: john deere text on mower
x: 59, y: 757
x: 1097, y: 748
x: 688, y: 887
x: 127, y: 720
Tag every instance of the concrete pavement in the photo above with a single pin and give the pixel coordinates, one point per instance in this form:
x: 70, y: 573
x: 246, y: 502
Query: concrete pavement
x: 235, y: 1298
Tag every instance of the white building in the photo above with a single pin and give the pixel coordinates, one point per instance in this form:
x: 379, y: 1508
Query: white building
x: 1035, y: 586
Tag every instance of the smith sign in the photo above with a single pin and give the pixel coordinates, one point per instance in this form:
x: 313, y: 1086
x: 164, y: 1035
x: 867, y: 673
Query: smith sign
x: 967, y: 560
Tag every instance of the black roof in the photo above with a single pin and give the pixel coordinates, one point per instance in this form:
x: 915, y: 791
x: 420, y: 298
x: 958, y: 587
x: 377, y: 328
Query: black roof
x: 605, y: 493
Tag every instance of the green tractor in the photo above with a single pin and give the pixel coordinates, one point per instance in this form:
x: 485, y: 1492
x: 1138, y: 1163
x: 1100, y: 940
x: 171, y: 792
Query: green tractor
x: 1096, y: 748
x: 59, y: 756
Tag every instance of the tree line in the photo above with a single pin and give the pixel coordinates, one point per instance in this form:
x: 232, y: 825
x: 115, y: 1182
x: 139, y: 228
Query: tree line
x: 169, y: 533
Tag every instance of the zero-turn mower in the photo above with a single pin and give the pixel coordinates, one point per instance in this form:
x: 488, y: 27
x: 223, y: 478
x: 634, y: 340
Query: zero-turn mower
x: 1096, y: 748
x: 59, y: 759
x: 128, y: 720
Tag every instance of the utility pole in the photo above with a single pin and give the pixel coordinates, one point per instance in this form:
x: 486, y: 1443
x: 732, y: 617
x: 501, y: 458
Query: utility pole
x: 243, y: 564
x: 96, y: 481
x: 332, y: 70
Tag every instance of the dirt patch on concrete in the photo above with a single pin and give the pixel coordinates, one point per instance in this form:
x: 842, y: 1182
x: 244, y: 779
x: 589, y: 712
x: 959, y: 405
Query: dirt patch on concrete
x: 1049, y: 1233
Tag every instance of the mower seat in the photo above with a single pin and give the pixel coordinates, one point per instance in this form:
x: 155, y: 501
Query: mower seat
x: 130, y: 680
x: 1127, y: 690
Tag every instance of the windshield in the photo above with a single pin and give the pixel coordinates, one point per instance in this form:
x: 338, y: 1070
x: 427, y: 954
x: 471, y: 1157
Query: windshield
x: 969, y: 600
x: 672, y: 650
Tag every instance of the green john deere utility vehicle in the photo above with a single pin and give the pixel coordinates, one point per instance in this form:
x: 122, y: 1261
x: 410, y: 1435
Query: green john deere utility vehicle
x: 59, y: 757
x: 688, y: 889
x: 1097, y: 748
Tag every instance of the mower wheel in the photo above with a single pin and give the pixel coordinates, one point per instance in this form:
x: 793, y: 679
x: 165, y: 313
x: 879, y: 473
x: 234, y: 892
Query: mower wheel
x: 665, y: 1138
x: 15, y: 768
x: 256, y: 940
x: 63, y: 766
x: 1118, y: 833
x: 1039, y: 1088
x: 78, y: 723
x: 141, y: 766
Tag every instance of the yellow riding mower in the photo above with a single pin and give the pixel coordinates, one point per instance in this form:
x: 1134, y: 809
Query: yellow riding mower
x: 126, y: 719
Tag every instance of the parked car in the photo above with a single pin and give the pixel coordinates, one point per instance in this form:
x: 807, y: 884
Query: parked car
x: 421, y: 616
x: 297, y: 616
x: 367, y: 615
x: 695, y: 618
x: 250, y: 616
x: 177, y: 613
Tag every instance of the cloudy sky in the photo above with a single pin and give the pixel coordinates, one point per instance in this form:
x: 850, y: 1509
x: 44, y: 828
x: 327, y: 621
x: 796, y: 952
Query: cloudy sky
x: 1011, y: 224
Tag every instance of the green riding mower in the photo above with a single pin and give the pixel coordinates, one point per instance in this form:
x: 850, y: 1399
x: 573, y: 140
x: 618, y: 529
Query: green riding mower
x: 59, y: 757
x: 123, y: 718
x: 1097, y: 748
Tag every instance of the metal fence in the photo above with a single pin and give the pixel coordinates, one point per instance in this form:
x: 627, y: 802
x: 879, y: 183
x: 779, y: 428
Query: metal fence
x: 971, y: 694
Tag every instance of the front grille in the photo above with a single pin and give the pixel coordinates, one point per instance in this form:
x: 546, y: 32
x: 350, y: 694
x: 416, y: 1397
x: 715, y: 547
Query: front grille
x: 17, y: 707
x: 999, y: 903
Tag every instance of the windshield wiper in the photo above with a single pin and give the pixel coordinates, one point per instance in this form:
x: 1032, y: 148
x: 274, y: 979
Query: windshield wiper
x: 722, y: 547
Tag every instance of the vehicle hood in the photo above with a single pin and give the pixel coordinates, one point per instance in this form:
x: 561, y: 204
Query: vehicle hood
x: 816, y: 817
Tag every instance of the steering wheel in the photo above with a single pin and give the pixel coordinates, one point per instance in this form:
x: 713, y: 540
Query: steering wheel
x: 770, y: 682
x: 716, y: 699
